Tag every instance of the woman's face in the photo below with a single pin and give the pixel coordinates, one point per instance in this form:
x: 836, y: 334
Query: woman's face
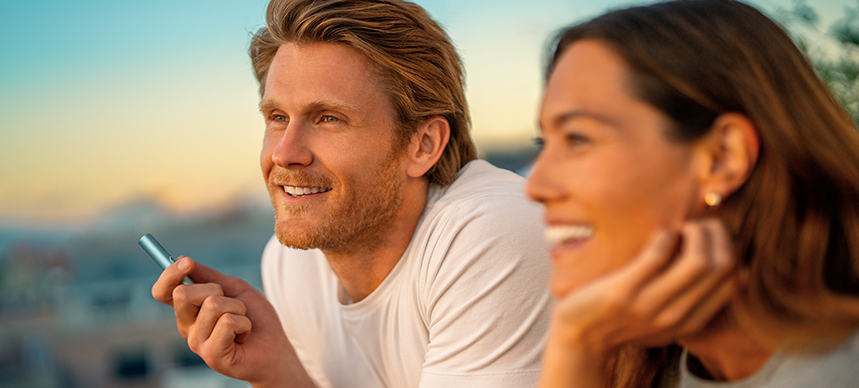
x: 608, y: 175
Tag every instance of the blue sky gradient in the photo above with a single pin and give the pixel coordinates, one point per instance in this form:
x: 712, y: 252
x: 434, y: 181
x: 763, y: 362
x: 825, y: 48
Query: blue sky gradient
x: 103, y: 102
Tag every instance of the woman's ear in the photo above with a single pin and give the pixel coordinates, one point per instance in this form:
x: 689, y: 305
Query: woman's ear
x: 728, y: 154
x: 427, y: 145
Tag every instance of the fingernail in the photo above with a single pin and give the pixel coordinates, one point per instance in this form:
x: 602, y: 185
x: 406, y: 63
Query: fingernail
x: 183, y: 264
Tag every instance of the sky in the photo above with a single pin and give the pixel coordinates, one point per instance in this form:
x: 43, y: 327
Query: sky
x: 103, y: 102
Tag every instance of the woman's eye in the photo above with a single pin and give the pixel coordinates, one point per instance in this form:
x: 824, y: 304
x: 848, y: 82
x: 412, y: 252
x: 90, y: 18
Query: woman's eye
x: 575, y: 138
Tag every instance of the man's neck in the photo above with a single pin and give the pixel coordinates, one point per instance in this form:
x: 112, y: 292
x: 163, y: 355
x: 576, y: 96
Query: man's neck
x: 362, y: 267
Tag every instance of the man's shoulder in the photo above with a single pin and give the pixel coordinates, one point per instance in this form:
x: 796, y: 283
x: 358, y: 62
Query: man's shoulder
x: 483, y: 202
x: 481, y: 181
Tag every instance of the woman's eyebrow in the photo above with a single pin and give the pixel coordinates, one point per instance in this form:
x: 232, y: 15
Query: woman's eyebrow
x: 570, y: 115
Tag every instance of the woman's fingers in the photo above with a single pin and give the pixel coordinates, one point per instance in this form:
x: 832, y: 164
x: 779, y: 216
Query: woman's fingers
x: 704, y: 312
x: 656, y: 255
x: 600, y: 315
x: 710, y: 286
x: 690, y: 267
x: 660, y: 295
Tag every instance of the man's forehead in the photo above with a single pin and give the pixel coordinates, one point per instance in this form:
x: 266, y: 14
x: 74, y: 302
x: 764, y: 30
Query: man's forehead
x: 322, y: 75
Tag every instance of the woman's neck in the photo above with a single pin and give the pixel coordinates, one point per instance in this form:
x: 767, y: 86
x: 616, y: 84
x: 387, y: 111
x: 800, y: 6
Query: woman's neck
x: 726, y: 351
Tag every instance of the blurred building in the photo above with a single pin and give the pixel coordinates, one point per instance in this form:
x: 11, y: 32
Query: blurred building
x: 76, y: 308
x: 75, y: 303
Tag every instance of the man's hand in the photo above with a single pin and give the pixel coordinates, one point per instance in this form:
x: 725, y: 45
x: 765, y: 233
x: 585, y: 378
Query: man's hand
x: 230, y: 325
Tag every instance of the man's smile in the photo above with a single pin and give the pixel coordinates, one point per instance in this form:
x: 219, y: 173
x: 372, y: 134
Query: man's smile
x: 303, y: 191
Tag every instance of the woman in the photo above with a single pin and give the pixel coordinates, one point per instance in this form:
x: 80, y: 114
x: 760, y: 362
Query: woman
x: 701, y: 188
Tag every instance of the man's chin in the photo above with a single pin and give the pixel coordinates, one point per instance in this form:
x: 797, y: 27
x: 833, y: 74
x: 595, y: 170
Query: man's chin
x: 294, y: 241
x: 304, y: 238
x: 294, y: 238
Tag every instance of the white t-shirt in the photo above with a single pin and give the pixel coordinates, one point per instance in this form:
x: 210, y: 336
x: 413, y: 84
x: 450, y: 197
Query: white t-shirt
x: 466, y: 306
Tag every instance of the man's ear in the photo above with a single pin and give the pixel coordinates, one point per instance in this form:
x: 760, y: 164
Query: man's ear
x: 427, y: 145
x: 728, y: 154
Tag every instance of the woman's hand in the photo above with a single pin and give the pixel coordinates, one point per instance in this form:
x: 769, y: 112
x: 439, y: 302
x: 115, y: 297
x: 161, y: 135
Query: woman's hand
x: 657, y: 297
x: 231, y: 325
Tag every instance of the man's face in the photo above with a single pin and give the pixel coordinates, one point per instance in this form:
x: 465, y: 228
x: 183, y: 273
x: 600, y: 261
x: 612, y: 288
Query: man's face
x: 334, y: 177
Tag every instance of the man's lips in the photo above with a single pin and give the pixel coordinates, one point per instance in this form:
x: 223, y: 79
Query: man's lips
x: 299, y: 191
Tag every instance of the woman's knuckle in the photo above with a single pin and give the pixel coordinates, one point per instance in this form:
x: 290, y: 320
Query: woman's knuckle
x: 698, y: 266
x: 668, y: 320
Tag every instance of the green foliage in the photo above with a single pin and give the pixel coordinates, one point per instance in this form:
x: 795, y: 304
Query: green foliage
x: 805, y: 13
x: 846, y: 29
x: 838, y: 68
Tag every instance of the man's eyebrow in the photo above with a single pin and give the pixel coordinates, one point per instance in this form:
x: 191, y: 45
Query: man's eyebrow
x: 329, y: 105
x: 268, y: 104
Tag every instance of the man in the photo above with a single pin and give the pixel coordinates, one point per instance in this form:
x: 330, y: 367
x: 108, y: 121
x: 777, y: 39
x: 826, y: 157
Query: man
x: 398, y: 260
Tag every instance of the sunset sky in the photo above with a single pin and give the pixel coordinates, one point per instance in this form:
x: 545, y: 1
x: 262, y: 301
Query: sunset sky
x: 105, y: 101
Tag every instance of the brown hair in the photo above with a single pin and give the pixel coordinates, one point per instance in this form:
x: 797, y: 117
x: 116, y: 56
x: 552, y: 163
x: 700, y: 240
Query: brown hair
x: 795, y: 221
x: 414, y: 58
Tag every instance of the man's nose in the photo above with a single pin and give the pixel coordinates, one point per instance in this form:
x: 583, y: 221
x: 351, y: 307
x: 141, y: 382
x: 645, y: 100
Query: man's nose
x: 293, y: 150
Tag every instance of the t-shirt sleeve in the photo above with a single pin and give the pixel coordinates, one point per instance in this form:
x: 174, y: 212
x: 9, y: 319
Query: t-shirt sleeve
x: 485, y: 292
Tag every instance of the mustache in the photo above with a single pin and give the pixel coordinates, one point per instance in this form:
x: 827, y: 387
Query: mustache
x: 284, y: 177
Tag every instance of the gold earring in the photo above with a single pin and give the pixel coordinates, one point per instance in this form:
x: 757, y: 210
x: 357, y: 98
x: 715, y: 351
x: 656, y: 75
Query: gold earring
x: 713, y: 199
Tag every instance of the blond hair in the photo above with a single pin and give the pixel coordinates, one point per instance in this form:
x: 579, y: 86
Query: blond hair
x: 413, y: 56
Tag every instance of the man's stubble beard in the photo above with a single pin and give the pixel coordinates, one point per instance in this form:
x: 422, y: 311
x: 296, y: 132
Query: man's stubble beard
x: 358, y: 221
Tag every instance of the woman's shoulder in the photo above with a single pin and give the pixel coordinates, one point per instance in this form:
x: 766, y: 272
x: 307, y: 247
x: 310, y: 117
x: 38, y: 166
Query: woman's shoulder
x: 837, y: 367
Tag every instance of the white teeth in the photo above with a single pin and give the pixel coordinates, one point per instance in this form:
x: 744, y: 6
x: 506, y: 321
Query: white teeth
x: 302, y: 191
x: 558, y: 234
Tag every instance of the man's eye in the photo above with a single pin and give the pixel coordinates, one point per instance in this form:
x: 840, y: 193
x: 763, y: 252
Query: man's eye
x: 329, y: 119
x: 279, y: 118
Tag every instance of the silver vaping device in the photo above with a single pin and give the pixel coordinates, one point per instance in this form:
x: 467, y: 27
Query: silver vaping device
x: 159, y: 254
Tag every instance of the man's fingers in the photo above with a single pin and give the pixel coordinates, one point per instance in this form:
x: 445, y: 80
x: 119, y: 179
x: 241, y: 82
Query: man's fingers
x: 213, y: 308
x: 188, y: 298
x: 171, y: 277
x: 205, y: 274
x: 230, y: 329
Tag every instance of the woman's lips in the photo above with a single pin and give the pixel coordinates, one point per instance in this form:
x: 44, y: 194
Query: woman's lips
x: 563, y: 234
x: 566, y: 238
